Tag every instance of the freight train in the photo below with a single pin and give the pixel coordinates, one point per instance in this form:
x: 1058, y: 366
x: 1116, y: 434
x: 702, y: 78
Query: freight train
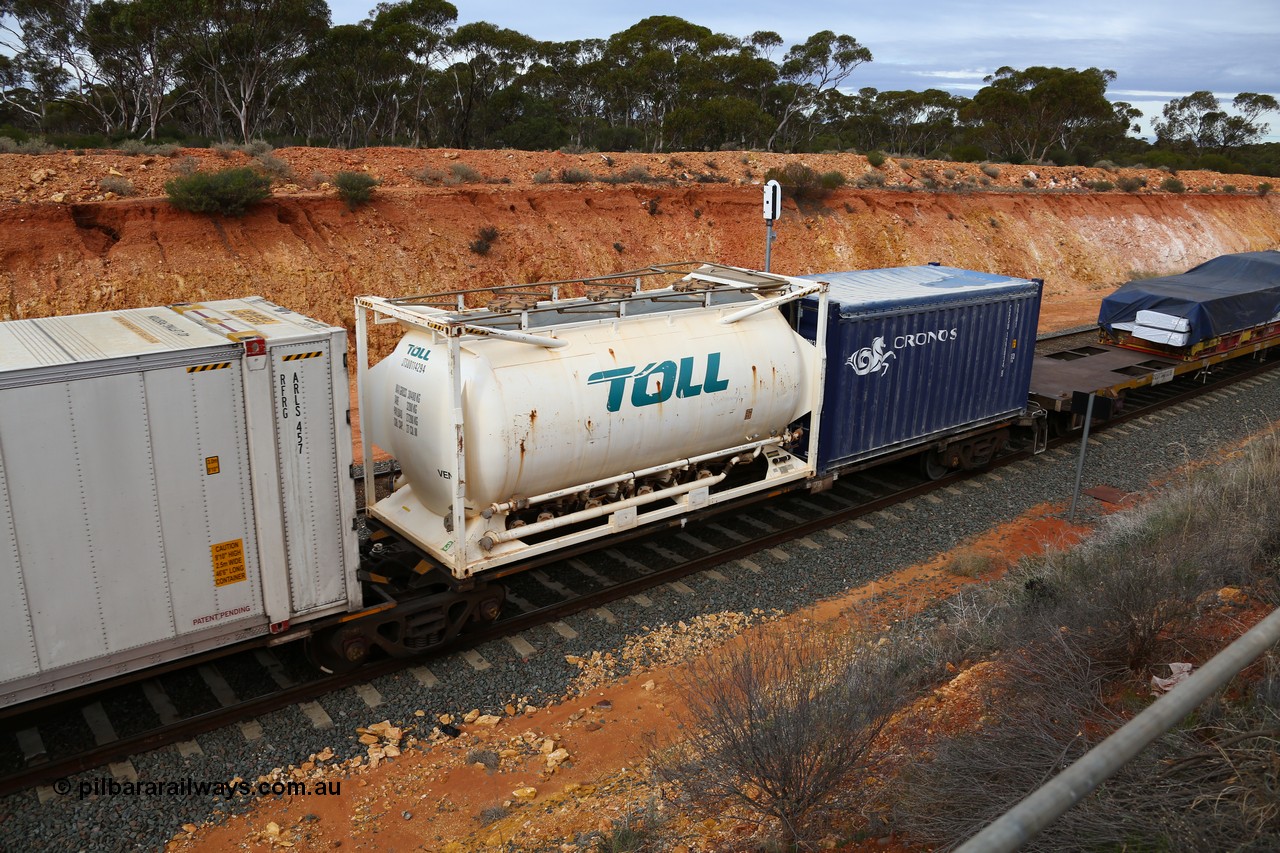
x: 177, y: 480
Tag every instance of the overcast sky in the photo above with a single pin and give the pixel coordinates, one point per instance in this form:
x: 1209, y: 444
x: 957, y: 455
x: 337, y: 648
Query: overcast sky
x: 1160, y: 49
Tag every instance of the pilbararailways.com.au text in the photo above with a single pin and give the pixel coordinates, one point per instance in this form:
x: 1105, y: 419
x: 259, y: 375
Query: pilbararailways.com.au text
x: 106, y: 786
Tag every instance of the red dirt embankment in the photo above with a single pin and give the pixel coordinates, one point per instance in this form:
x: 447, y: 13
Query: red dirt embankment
x: 63, y: 251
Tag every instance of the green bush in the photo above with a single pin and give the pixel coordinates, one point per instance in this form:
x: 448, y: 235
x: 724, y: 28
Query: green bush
x: 1100, y: 186
x: 871, y: 179
x: 1130, y: 184
x: 354, y: 188
x: 1264, y: 188
x: 1105, y: 165
x: 1229, y: 188
x: 876, y: 159
x: 968, y: 153
x: 831, y: 180
x: 991, y: 170
x: 229, y: 192
x: 484, y: 241
x: 1173, y: 185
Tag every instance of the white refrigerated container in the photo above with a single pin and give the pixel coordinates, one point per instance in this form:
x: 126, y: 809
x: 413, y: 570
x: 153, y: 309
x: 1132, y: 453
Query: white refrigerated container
x: 172, y: 480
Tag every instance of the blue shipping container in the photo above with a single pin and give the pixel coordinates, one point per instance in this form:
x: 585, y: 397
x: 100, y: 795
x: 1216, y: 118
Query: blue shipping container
x: 916, y: 353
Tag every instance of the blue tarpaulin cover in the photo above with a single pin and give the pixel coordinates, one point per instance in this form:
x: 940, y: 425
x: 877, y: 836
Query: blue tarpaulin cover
x: 1227, y: 294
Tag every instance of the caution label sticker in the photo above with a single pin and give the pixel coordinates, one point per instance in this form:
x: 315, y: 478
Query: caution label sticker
x: 228, y: 562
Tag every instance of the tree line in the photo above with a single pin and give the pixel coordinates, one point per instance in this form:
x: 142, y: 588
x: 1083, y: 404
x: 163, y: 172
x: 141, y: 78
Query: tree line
x: 79, y: 72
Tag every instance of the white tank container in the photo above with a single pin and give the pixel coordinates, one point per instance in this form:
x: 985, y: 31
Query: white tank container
x: 622, y: 395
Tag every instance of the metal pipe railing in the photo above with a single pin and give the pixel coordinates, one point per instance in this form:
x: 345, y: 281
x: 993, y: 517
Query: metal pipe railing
x: 1021, y: 823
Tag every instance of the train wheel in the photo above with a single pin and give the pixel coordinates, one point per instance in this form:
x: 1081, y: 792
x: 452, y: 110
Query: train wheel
x: 932, y: 465
x: 338, y: 650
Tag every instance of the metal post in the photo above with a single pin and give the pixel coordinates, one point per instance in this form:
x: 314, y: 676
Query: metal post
x: 458, y: 514
x: 1021, y: 823
x: 772, y: 210
x: 1084, y: 450
x: 362, y: 405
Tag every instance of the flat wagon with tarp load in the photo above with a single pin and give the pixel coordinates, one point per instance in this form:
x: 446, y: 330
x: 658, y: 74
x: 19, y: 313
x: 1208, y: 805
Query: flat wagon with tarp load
x: 1229, y: 302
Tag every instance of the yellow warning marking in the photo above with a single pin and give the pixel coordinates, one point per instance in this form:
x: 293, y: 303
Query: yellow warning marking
x: 1015, y: 343
x: 201, y: 368
x: 249, y: 315
x: 228, y: 562
x: 368, y: 611
x: 211, y: 465
x: 299, y: 355
x: 379, y: 535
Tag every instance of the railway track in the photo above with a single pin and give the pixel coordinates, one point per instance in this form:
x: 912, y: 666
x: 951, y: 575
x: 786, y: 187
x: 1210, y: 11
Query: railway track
x: 171, y: 708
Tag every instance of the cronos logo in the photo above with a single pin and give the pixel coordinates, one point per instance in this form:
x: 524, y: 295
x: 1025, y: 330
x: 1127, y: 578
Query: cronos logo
x: 875, y: 358
x: 870, y: 359
x: 657, y: 381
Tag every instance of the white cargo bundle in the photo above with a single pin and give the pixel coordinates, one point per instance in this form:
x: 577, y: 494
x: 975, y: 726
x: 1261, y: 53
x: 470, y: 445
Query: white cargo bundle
x: 171, y: 480
x: 1161, y: 320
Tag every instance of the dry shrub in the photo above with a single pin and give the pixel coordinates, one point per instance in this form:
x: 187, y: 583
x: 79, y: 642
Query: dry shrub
x: 575, y: 176
x: 427, y: 175
x: 274, y: 167
x: 779, y: 722
x: 461, y: 173
x: 1072, y: 633
x: 971, y: 563
x: 117, y: 185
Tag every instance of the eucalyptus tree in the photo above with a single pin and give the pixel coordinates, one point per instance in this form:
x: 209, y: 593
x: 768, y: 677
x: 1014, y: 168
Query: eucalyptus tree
x: 419, y: 32
x: 1024, y: 114
x: 917, y: 122
x: 487, y: 59
x: 810, y: 70
x: 136, y: 48
x: 347, y: 90
x: 241, y: 54
x: 563, y: 78
x: 29, y: 85
x: 653, y: 67
x: 724, y: 102
x: 1199, y: 121
x: 50, y: 43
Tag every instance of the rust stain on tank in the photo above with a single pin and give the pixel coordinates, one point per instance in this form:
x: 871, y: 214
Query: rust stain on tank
x: 533, y: 417
x: 613, y: 355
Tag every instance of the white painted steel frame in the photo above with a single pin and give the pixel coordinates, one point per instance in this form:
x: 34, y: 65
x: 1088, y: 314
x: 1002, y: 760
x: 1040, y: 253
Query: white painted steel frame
x: 459, y: 559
